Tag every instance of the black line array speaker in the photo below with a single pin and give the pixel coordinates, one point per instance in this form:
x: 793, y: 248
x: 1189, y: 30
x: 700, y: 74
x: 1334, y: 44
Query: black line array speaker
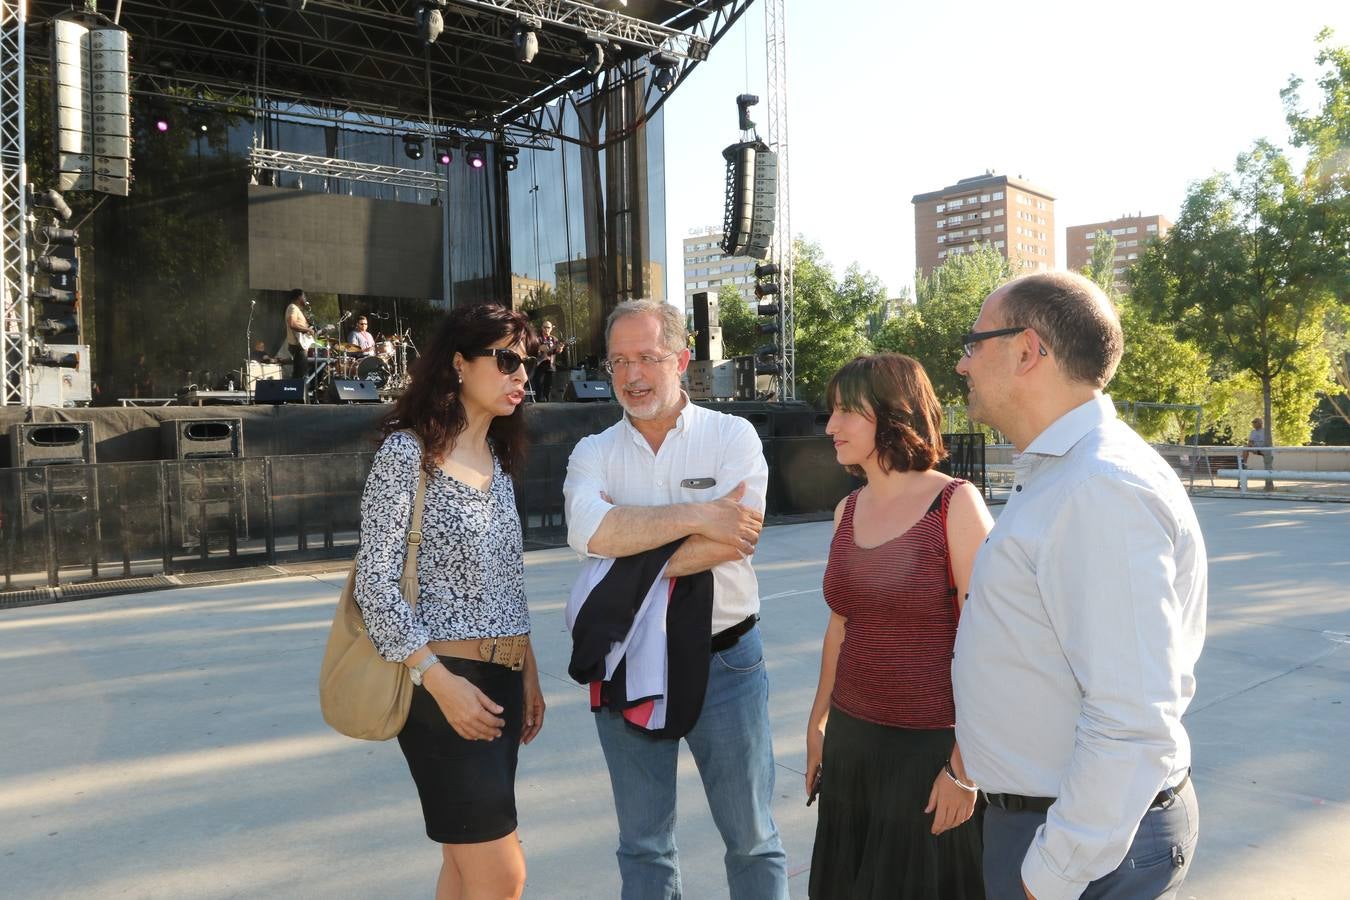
x: 752, y: 189
x: 202, y: 438
x: 707, y: 327
x: 583, y: 391
x: 350, y: 391
x: 279, y: 390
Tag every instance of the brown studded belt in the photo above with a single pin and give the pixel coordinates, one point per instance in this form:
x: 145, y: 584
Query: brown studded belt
x: 504, y: 651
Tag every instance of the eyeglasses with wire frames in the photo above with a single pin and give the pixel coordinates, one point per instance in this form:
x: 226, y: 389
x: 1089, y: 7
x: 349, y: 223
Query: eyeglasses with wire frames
x: 508, y: 360
x: 646, y: 360
x: 969, y: 340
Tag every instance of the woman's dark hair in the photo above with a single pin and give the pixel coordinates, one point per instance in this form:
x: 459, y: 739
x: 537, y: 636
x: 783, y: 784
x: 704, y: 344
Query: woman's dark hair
x: 895, y: 389
x: 431, y: 405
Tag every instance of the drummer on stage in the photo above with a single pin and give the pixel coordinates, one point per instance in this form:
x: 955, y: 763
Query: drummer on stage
x: 362, y: 338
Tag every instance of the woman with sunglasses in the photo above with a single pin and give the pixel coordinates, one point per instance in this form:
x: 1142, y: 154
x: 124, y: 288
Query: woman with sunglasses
x: 466, y: 645
x: 896, y: 805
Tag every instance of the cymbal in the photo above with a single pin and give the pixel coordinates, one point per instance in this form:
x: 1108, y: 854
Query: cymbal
x: 346, y: 348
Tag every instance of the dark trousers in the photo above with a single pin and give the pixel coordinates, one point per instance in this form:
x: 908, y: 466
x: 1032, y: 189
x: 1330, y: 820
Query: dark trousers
x: 543, y: 384
x: 299, y: 364
x: 1153, y: 867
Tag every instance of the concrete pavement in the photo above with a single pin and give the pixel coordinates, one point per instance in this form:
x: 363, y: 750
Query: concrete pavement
x: 169, y: 745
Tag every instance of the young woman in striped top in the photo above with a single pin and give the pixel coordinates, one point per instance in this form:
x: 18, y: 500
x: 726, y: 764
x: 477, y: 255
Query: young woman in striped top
x: 897, y: 812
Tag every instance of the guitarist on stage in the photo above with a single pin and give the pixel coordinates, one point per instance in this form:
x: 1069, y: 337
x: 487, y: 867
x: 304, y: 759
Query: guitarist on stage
x: 297, y: 325
x: 550, y: 348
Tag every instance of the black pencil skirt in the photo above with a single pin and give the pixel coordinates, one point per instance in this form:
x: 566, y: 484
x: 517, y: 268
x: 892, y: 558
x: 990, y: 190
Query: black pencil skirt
x: 467, y: 788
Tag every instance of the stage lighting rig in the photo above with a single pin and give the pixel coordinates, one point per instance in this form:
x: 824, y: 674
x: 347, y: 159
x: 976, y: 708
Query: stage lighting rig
x: 595, y: 56
x: 510, y: 157
x: 526, y: 40
x: 414, y: 145
x: 430, y: 20
x: 443, y: 151
x: 665, y: 69
x: 477, y: 155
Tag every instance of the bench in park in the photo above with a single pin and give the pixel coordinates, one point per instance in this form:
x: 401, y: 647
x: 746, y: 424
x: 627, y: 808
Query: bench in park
x: 1243, y: 475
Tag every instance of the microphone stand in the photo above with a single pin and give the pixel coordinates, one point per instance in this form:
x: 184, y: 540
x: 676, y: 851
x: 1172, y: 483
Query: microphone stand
x: 248, y: 350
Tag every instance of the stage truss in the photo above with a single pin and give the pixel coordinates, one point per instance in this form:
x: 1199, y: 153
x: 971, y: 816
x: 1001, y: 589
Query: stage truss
x: 13, y: 220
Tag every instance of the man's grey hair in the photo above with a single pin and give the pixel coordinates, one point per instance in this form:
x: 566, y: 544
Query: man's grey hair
x: 674, y: 331
x: 1074, y: 317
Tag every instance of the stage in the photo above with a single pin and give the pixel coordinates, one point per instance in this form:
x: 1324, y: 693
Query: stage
x: 133, y: 434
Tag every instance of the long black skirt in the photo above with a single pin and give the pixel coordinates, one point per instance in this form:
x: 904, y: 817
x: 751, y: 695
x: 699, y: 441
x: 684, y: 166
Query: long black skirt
x: 467, y: 788
x: 873, y: 839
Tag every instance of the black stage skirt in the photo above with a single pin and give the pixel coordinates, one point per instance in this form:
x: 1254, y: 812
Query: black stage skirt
x: 467, y: 788
x: 873, y: 839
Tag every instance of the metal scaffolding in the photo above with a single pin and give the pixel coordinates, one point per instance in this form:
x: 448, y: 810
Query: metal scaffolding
x: 775, y: 39
x: 15, y: 389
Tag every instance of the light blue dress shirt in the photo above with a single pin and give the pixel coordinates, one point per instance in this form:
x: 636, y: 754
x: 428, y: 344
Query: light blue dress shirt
x: 1075, y: 657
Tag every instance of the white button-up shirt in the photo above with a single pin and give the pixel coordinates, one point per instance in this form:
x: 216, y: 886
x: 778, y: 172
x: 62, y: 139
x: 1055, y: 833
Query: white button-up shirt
x: 1075, y: 658
x: 704, y: 445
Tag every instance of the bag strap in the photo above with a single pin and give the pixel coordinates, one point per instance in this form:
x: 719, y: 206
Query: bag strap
x: 946, y: 498
x: 408, y: 583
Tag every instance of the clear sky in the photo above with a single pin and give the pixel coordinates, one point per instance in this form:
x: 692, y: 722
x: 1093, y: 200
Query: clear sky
x: 1111, y: 107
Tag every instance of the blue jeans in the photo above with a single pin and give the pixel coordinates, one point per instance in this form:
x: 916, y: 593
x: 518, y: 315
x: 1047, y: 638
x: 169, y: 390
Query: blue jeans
x: 733, y: 749
x: 1154, y: 867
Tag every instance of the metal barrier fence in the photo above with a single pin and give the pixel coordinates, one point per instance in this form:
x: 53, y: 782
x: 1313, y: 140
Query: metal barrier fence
x: 69, y: 524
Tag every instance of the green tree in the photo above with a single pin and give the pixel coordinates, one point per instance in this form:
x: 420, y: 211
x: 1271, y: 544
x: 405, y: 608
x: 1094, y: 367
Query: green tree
x: 831, y: 317
x: 738, y: 322
x: 946, y: 304
x: 1243, y: 273
x: 1325, y: 133
x: 1156, y: 367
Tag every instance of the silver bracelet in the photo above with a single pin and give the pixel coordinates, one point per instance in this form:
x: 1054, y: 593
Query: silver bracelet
x: 969, y: 788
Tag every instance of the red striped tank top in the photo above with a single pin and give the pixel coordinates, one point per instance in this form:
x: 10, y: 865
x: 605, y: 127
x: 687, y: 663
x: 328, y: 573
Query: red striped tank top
x: 895, y: 661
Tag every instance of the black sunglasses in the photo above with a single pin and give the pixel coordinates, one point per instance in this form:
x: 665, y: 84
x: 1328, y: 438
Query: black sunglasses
x: 968, y: 341
x: 507, y: 360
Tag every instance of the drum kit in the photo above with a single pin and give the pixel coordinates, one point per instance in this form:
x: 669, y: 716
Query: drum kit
x: 387, y: 368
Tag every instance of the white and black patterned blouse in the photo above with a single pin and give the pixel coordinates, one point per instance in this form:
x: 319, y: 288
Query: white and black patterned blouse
x: 470, y: 565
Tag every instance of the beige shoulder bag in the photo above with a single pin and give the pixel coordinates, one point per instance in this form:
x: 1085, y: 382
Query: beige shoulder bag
x: 363, y: 695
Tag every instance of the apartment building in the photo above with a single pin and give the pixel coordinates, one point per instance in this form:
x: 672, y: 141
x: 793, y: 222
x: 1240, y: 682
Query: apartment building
x: 1011, y: 214
x: 1132, y: 233
x: 706, y: 269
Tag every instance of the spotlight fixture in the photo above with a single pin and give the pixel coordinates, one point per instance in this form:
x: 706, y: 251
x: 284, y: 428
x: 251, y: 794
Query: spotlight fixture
x: 162, y: 124
x: 413, y: 146
x: 477, y: 155
x: 526, y: 41
x: 430, y: 20
x: 510, y: 157
x: 664, y: 70
x: 595, y: 58
x: 443, y: 152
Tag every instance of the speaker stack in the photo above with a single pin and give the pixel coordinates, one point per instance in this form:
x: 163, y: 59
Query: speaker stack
x: 707, y: 327
x: 207, y: 490
x: 56, y: 481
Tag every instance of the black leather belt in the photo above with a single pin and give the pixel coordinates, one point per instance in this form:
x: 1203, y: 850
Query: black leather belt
x: 726, y: 639
x: 1019, y: 803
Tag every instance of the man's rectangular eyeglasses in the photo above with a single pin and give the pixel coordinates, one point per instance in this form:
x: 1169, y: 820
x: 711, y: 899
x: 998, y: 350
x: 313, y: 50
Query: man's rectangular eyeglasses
x: 968, y: 341
x: 507, y: 360
x: 646, y: 360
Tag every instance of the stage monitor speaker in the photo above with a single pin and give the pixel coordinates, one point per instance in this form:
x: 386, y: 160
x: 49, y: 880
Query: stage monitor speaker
x: 352, y: 391
x: 708, y: 344
x: 279, y: 390
x: 202, y: 438
x: 705, y: 311
x: 584, y: 391
x: 55, y: 443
